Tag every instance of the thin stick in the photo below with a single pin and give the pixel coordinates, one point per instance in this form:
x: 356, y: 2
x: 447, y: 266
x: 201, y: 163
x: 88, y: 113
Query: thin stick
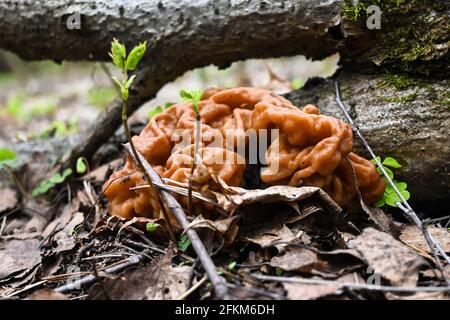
x: 403, y: 205
x: 351, y: 285
x: 140, y: 165
x: 217, y: 282
x: 19, y: 185
x: 193, y: 288
x: 134, y: 151
x: 3, y: 226
x: 31, y: 286
x: 198, y: 124
x: 133, y: 260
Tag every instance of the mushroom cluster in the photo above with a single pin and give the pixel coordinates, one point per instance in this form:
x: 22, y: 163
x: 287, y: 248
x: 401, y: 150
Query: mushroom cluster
x: 308, y: 149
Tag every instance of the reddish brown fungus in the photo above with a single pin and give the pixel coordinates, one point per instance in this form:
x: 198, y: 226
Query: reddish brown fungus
x: 310, y: 150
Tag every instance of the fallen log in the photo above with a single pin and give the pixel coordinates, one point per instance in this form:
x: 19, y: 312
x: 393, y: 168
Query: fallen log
x: 402, y: 117
x: 409, y: 122
x: 187, y: 34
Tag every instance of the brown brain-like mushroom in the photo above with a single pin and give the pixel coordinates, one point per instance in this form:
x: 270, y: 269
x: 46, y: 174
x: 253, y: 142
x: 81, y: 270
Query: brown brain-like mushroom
x: 310, y: 150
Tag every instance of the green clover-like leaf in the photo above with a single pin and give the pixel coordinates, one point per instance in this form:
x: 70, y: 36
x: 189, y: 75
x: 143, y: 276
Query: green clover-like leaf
x: 388, y: 171
x: 381, y: 202
x: 154, y: 112
x: 393, y: 198
x: 57, y: 178
x: 391, y: 162
x: 232, y: 265
x: 152, y: 227
x: 7, y: 154
x: 278, y: 271
x: 135, y: 56
x: 81, y: 166
x: 8, y: 158
x: 400, y: 186
x: 374, y: 162
x: 48, y: 184
x: 184, y: 243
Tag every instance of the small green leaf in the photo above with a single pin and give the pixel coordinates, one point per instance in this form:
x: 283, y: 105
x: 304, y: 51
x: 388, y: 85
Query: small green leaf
x: 7, y: 154
x: 130, y: 81
x: 167, y: 105
x: 401, y: 185
x: 192, y: 97
x: 67, y: 173
x: 42, y: 188
x: 391, y: 162
x: 297, y: 84
x: 154, y: 112
x: 8, y: 158
x: 278, y: 271
x: 393, y: 198
x: 388, y: 171
x: 381, y: 202
x: 374, y: 162
x: 57, y: 178
x: 232, y: 265
x: 117, y: 81
x: 48, y: 184
x: 118, y: 53
x: 81, y: 165
x: 184, y: 243
x: 152, y: 227
x: 135, y: 56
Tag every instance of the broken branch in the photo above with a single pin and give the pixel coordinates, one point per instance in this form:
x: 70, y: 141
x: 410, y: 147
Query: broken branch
x: 217, y: 282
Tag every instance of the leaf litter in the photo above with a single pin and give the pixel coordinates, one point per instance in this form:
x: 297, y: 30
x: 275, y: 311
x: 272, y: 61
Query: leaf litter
x: 278, y: 231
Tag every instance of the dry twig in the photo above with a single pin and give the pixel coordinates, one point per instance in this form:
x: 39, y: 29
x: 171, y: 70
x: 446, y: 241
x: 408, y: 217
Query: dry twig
x: 403, y: 205
x: 217, y: 282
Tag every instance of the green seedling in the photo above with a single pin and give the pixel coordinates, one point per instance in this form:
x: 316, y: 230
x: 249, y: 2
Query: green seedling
x: 50, y: 183
x: 389, y: 196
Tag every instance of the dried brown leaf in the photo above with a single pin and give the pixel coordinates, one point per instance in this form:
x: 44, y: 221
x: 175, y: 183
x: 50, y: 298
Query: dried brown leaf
x: 8, y: 199
x: 267, y: 237
x: 47, y: 294
x: 227, y: 227
x: 298, y: 259
x: 133, y: 283
x: 413, y: 237
x: 300, y: 291
x: 173, y: 282
x: 388, y: 257
x: 330, y: 264
x: 237, y: 197
x: 19, y: 256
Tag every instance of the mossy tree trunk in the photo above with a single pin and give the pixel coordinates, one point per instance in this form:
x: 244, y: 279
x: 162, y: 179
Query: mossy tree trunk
x: 402, y: 107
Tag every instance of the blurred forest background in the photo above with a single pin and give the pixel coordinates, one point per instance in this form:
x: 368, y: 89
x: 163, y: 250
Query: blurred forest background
x: 39, y: 100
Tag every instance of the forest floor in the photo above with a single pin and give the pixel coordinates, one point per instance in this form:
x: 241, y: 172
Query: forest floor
x: 52, y: 244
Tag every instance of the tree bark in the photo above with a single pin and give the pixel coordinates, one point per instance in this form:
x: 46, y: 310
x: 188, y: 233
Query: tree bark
x: 185, y: 34
x: 411, y: 124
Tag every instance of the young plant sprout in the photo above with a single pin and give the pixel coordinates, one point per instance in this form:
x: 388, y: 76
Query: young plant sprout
x: 194, y: 98
x: 390, y: 197
x: 127, y: 63
x: 8, y: 162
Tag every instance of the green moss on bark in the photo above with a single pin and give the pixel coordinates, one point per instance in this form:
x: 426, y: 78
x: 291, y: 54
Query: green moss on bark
x: 355, y: 10
x: 414, y: 35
